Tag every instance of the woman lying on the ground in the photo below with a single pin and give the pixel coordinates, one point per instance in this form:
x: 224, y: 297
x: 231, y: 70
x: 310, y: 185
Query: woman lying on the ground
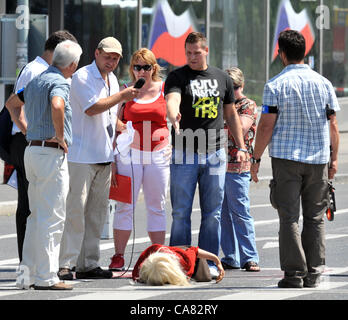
x: 159, y: 265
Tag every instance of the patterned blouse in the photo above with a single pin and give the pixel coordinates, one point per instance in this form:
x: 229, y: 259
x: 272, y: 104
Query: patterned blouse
x: 245, y: 108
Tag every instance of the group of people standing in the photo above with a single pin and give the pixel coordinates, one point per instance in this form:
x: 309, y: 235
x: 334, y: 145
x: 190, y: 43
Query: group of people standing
x: 202, y: 103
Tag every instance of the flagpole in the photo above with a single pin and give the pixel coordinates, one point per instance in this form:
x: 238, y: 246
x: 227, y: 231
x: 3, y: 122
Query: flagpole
x: 267, y: 38
x: 321, y: 44
x: 140, y: 23
x: 207, y: 25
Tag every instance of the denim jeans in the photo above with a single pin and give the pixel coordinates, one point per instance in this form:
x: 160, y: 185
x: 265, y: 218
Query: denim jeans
x: 209, y: 171
x: 237, y: 226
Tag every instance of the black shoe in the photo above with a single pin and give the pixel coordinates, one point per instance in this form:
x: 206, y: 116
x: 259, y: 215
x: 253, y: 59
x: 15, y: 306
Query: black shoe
x: 311, y: 280
x: 65, y: 274
x: 288, y: 282
x: 227, y: 266
x: 97, y: 273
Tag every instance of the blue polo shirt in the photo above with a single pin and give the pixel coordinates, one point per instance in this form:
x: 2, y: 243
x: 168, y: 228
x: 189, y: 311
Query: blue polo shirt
x: 38, y: 96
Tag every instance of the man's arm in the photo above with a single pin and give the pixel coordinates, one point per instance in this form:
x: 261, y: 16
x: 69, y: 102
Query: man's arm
x: 14, y: 106
x: 234, y: 125
x: 263, y: 137
x: 173, y: 100
x: 57, y: 107
x: 104, y: 104
x: 334, y: 140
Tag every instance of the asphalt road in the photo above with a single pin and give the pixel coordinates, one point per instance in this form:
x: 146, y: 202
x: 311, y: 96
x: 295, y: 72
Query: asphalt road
x: 237, y: 284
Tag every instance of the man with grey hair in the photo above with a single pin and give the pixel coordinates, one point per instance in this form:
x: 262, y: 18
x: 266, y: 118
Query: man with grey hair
x: 49, y: 136
x: 18, y: 142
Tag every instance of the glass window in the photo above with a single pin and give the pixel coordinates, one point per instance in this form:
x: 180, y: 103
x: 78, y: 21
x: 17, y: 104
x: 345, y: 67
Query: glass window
x: 165, y: 26
x: 238, y: 38
x: 92, y: 20
x: 335, y: 45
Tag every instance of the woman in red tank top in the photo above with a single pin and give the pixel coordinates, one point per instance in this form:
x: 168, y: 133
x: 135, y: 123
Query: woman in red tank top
x: 149, y: 166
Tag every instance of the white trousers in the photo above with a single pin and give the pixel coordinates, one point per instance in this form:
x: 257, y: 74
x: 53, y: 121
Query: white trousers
x: 87, y: 207
x: 150, y: 170
x: 47, y: 173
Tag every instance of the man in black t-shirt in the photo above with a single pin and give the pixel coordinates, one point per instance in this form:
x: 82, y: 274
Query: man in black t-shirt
x: 199, y: 97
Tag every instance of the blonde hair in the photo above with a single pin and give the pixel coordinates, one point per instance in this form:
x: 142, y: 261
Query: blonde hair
x: 161, y: 268
x: 236, y: 75
x: 146, y: 55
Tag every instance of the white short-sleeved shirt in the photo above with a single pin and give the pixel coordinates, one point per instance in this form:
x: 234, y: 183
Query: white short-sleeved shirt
x: 91, y: 141
x: 30, y: 71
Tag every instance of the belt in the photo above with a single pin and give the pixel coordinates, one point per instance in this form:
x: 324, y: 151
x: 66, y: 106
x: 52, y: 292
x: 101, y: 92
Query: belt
x: 103, y: 163
x: 43, y: 143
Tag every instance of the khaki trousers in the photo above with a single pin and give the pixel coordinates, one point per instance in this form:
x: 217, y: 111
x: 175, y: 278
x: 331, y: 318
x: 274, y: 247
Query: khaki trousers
x: 296, y: 184
x: 47, y: 173
x: 87, y: 207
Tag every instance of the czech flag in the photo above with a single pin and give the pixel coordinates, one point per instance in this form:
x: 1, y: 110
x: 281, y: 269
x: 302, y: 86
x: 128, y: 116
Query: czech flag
x: 168, y: 34
x: 288, y: 19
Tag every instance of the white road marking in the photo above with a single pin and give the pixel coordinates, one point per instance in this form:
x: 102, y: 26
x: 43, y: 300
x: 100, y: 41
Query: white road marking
x: 275, y: 293
x: 275, y: 244
x: 110, y: 245
x: 8, y: 236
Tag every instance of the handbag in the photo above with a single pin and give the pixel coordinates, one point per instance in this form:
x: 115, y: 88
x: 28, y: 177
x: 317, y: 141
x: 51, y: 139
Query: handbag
x: 6, y: 125
x: 123, y: 191
x: 5, y: 134
x: 202, y: 272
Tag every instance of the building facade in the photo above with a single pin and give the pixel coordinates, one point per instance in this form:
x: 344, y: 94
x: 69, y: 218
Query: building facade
x: 240, y: 33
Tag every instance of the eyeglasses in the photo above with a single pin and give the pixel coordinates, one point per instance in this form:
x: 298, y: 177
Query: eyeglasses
x: 236, y: 87
x: 146, y: 67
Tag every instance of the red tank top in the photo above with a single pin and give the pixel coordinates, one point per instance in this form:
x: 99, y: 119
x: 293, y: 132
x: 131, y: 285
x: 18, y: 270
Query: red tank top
x: 149, y: 120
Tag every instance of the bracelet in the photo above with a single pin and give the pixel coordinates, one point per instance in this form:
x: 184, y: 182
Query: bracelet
x: 243, y: 150
x: 253, y: 160
x: 59, y: 140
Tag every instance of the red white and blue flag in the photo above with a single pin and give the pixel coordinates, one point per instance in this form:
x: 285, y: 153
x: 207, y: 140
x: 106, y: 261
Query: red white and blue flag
x: 288, y: 19
x: 168, y: 34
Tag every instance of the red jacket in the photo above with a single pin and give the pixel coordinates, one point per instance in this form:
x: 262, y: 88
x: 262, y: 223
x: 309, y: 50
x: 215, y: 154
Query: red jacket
x: 187, y: 258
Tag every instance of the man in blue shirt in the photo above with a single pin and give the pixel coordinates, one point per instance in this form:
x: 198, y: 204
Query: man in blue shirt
x: 298, y: 124
x: 49, y: 134
x: 18, y: 141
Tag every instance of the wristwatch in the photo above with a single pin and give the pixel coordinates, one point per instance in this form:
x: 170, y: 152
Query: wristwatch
x: 253, y: 160
x: 243, y: 150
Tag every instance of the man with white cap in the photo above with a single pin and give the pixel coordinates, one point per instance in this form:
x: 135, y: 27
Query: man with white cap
x: 94, y: 96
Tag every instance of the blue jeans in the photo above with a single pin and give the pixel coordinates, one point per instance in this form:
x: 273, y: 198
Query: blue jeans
x: 209, y: 171
x: 237, y: 226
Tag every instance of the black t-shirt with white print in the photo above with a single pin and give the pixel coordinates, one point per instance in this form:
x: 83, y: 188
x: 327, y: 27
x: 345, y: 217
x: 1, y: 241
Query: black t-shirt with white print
x: 203, y: 95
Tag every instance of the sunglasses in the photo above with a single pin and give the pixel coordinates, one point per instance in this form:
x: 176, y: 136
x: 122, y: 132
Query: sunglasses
x: 236, y: 87
x: 146, y: 67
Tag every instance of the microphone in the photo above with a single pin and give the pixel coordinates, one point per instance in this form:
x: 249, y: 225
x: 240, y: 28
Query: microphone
x: 139, y: 83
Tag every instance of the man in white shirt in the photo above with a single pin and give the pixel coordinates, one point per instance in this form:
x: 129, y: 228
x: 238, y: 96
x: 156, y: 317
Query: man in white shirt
x: 18, y: 141
x: 94, y: 96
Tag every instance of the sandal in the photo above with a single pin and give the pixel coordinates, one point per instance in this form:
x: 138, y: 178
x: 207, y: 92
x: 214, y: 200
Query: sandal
x: 251, y: 266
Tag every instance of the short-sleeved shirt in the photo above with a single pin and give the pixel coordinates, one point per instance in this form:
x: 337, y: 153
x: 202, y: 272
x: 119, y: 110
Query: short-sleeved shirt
x: 245, y: 108
x: 92, y: 143
x: 203, y: 96
x: 38, y: 95
x: 187, y: 258
x: 30, y: 71
x: 301, y: 132
x: 149, y: 119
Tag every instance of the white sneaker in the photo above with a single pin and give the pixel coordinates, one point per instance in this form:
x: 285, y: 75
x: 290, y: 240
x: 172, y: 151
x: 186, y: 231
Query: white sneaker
x: 24, y: 286
x: 213, y: 272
